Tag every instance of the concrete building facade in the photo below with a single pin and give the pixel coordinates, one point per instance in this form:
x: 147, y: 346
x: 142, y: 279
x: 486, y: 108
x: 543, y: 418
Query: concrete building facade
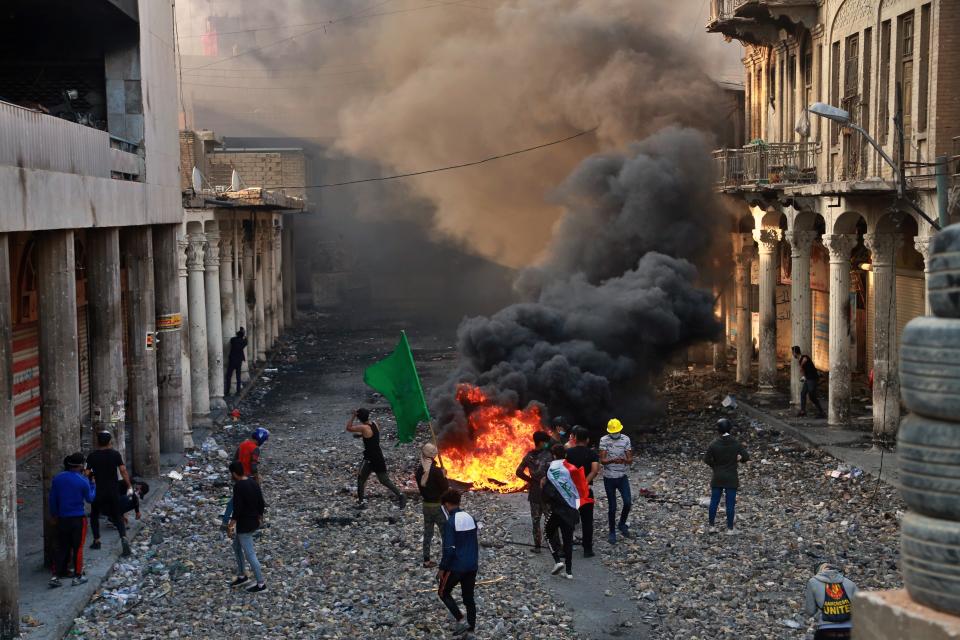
x: 830, y: 244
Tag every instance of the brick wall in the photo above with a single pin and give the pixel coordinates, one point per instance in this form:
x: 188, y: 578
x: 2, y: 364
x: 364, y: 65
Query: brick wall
x: 946, y: 53
x: 269, y: 169
x: 191, y: 155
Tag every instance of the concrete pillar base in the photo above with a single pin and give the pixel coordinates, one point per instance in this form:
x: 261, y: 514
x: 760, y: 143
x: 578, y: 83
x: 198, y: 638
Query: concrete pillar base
x: 893, y: 615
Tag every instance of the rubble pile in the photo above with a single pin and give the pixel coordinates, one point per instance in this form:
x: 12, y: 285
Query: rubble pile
x: 794, y: 508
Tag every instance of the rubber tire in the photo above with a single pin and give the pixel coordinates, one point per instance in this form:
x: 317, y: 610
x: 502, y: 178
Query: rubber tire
x: 928, y: 453
x: 930, y: 367
x: 930, y: 561
x: 943, y: 281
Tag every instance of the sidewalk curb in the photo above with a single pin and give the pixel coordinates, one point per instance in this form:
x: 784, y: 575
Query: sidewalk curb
x: 795, y: 432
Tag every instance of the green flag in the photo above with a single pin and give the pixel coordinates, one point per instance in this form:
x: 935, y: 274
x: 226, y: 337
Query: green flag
x: 396, y: 378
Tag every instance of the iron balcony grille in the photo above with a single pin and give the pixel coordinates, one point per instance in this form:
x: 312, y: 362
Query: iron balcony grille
x: 779, y: 163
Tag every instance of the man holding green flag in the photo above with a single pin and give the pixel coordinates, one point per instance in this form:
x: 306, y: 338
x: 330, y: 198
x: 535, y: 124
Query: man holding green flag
x: 395, y: 377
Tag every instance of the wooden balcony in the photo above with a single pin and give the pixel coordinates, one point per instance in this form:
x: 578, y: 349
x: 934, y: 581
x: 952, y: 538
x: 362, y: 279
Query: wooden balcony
x: 759, y: 22
x: 761, y: 165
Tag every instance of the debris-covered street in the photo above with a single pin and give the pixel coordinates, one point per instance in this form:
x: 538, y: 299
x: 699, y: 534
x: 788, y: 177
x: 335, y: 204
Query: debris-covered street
x: 337, y: 572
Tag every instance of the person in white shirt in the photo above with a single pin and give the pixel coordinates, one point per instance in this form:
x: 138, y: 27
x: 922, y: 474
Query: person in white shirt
x: 616, y: 453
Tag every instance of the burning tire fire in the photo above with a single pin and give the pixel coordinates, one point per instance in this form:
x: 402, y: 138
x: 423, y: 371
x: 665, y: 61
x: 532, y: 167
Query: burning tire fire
x: 499, y: 438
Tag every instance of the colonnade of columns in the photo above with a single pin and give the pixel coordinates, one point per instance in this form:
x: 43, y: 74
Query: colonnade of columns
x: 234, y: 279
x: 763, y: 245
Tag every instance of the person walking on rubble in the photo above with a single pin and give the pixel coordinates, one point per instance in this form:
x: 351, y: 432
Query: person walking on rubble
x: 459, y: 563
x: 432, y: 483
x: 616, y: 454
x: 533, y: 469
x: 565, y: 488
x: 827, y: 597
x: 248, y: 455
x: 723, y: 456
x: 579, y: 454
x: 373, y: 460
x: 247, y: 517
x: 113, y: 481
x: 236, y: 358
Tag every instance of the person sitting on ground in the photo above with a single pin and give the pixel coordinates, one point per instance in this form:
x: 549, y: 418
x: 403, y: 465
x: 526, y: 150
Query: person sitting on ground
x: 533, y: 469
x: 248, y: 455
x: 828, y: 595
x: 565, y: 488
x: 69, y: 491
x: 459, y: 562
x: 809, y: 378
x: 432, y: 483
x: 247, y: 517
x: 581, y: 455
x: 107, y: 467
x: 616, y: 455
x: 373, y: 460
x: 723, y: 456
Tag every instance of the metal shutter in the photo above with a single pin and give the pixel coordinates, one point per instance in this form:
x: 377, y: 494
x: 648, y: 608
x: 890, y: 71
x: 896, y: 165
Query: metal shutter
x: 26, y: 388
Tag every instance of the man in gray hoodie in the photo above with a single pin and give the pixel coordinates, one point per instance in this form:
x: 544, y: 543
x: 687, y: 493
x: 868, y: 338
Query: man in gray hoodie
x: 828, y: 598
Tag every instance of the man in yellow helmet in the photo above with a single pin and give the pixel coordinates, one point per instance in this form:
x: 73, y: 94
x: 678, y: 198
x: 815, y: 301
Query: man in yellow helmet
x: 616, y: 453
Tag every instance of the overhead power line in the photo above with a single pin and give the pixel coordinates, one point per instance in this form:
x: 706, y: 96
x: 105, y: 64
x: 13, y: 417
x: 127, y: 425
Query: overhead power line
x: 452, y: 166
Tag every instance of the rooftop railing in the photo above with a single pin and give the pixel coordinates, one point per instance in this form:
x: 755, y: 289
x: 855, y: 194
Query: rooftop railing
x: 760, y: 163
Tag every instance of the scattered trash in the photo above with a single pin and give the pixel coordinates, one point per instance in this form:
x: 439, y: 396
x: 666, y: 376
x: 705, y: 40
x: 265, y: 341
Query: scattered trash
x: 174, y: 475
x: 729, y: 402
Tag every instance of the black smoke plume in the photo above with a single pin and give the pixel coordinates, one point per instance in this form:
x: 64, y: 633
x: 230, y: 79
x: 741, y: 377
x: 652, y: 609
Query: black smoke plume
x: 615, y: 296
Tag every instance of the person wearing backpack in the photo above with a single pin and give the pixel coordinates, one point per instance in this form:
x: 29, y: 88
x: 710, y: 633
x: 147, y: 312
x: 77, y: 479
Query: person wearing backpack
x: 828, y: 598
x: 809, y: 378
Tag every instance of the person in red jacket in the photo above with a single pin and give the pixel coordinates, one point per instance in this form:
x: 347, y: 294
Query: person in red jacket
x: 247, y: 454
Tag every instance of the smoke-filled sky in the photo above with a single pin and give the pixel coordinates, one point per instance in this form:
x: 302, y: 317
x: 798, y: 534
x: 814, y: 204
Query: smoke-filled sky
x: 415, y: 84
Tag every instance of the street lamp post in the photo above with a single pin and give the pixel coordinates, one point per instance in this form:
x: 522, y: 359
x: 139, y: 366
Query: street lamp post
x: 842, y: 117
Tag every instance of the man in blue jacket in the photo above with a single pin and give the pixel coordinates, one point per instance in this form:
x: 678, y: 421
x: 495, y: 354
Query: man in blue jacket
x: 459, y: 562
x: 69, y: 491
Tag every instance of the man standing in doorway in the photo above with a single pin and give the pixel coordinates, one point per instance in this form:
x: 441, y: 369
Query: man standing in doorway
x: 107, y: 467
x: 616, y: 454
x: 236, y: 358
x: 432, y: 483
x: 533, y: 469
x: 579, y: 454
x: 723, y: 456
x: 809, y: 378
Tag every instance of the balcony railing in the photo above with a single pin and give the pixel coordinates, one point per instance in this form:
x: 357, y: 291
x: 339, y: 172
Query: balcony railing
x: 758, y: 164
x: 33, y: 140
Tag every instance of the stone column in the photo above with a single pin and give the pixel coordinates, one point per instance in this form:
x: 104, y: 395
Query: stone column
x: 743, y: 259
x: 169, y: 337
x: 839, y: 245
x: 801, y: 303
x: 250, y: 296
x: 143, y: 414
x: 260, y: 319
x: 107, y: 376
x: 187, y: 388
x: 9, y: 567
x: 228, y: 316
x: 768, y: 240
x: 278, y: 279
x: 268, y: 282
x: 289, y: 293
x: 922, y: 245
x: 196, y: 301
x: 60, y: 377
x: 215, y: 368
x: 886, y: 377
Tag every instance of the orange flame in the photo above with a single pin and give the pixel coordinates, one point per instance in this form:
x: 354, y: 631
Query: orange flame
x: 500, y: 437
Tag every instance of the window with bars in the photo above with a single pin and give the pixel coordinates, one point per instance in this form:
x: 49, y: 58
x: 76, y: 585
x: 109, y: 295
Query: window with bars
x: 835, y: 89
x: 905, y: 38
x: 924, y: 88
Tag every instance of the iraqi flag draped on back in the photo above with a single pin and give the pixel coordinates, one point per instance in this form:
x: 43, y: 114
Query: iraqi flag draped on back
x: 570, y: 482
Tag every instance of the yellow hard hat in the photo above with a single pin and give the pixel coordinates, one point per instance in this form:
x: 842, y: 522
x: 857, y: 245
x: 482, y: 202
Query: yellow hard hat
x: 614, y: 426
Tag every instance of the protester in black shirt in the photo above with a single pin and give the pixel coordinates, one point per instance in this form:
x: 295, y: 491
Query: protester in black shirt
x: 581, y: 455
x: 248, y: 509
x: 236, y: 358
x: 533, y: 469
x: 106, y: 463
x: 432, y: 483
x: 809, y: 377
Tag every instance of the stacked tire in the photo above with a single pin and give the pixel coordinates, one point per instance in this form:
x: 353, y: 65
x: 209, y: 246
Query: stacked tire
x: 929, y: 439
